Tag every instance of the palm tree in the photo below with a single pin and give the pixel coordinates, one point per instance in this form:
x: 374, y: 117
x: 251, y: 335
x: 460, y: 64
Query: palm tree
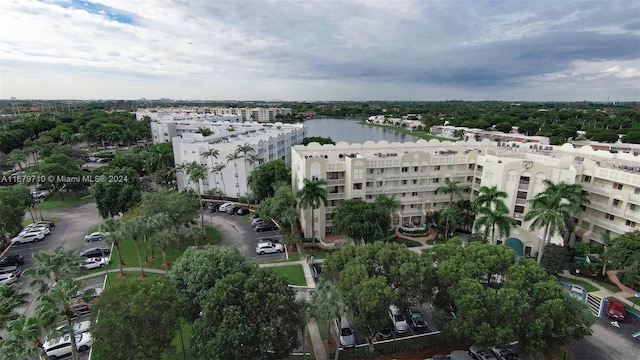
x: 111, y: 227
x: 158, y: 222
x: 59, y: 300
x: 162, y: 239
x: 211, y: 154
x: 548, y: 212
x: 490, y: 219
x: 17, y: 157
x: 217, y: 168
x: 194, y: 233
x: 51, y: 268
x: 453, y: 188
x: 312, y: 194
x: 204, y: 131
x: 388, y: 202
x: 235, y: 156
x: 329, y: 303
x: 24, y: 337
x: 135, y: 227
x: 197, y: 173
x: 490, y: 199
x: 11, y: 298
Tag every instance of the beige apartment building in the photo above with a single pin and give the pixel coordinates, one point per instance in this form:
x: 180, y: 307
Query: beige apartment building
x: 414, y: 171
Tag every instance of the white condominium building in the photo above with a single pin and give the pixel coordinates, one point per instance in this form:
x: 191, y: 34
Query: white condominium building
x: 268, y: 141
x: 165, y: 130
x: 259, y: 114
x: 414, y: 171
x: 479, y: 134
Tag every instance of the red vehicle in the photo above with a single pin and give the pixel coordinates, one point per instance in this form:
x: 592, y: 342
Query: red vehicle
x: 615, y: 309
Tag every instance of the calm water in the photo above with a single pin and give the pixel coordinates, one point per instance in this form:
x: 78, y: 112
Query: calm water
x: 350, y: 131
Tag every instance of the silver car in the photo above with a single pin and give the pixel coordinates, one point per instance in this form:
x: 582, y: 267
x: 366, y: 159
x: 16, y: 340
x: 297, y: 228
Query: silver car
x: 399, y: 321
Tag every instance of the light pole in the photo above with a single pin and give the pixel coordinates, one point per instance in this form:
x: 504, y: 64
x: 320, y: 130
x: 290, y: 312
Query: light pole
x: 577, y: 274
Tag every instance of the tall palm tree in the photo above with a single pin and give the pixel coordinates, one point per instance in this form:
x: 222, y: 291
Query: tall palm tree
x: 211, y: 154
x: 490, y: 197
x: 115, y: 238
x: 162, y: 239
x: 235, y: 156
x: 312, y: 195
x: 135, y: 227
x: 11, y: 298
x: 197, y: 173
x: 548, y: 212
x: 217, y: 168
x: 59, y: 300
x: 157, y: 222
x: 388, y: 202
x: 453, y: 188
x: 111, y: 226
x: 17, y: 157
x: 565, y: 193
x: 494, y: 218
x: 48, y: 269
x: 25, y: 337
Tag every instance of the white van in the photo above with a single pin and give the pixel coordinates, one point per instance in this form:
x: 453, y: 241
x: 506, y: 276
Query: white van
x: 344, y: 330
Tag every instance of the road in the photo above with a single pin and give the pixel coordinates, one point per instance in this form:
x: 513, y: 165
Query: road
x: 609, y: 342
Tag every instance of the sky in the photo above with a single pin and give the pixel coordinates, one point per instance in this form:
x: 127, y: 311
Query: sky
x: 312, y: 50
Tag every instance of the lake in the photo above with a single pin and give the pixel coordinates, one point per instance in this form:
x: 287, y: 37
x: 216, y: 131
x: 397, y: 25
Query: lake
x: 350, y: 131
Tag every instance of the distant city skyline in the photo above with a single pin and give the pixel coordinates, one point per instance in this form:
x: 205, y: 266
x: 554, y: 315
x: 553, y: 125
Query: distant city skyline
x: 357, y: 50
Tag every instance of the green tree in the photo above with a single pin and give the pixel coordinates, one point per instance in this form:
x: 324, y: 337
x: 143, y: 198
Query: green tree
x: 623, y: 253
x: 114, y: 237
x: 135, y: 228
x: 211, y: 154
x: 48, y: 269
x: 391, y: 203
x: 162, y: 239
x: 11, y: 298
x: 25, y: 337
x: 197, y: 271
x: 12, y: 206
x: 243, y: 317
x: 18, y: 157
x: 453, y: 188
x: 495, y: 218
x: 317, y: 139
x: 119, y: 192
x: 556, y: 258
x: 235, y: 156
x: 282, y: 207
x: 328, y: 303
x: 181, y: 208
x: 196, y: 173
x: 128, y: 310
x: 217, y: 168
x: 60, y: 166
x: 361, y: 221
x: 266, y: 178
x: 131, y: 160
x: 312, y: 195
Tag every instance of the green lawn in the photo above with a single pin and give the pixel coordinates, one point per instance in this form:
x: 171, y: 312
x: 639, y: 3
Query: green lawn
x: 184, y: 338
x: 55, y: 201
x: 129, y: 253
x: 317, y: 252
x: 588, y: 287
x: 608, y: 286
x: 634, y: 300
x: 323, y: 329
x: 293, y: 273
x: 293, y: 256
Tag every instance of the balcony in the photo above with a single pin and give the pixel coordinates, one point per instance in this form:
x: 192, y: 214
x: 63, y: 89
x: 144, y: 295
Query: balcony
x: 601, y: 190
x: 523, y: 187
x: 518, y: 215
x: 335, y: 181
x: 521, y: 202
x: 597, y: 205
x: 611, y: 225
x: 335, y: 196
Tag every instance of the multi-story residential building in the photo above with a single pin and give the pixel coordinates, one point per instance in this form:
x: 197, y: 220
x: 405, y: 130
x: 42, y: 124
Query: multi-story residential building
x: 479, y: 134
x: 414, y: 171
x: 268, y: 141
x: 259, y: 114
x: 166, y: 129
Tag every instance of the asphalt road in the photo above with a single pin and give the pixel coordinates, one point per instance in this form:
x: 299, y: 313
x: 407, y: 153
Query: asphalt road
x: 610, y: 343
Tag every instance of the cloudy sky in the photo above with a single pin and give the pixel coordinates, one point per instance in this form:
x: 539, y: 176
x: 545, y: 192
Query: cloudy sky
x: 320, y: 50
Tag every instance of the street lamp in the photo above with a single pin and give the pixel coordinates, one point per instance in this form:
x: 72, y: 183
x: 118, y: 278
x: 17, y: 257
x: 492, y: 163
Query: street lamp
x: 577, y: 274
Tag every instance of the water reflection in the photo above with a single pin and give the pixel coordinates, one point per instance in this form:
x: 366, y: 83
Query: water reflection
x: 350, y: 131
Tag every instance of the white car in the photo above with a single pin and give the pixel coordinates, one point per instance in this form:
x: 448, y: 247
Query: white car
x: 94, y: 263
x: 8, y: 279
x: 269, y: 248
x: 28, y: 237
x: 38, y: 228
x: 399, y: 321
x: 61, y: 347
x: 224, y: 207
x: 78, y: 327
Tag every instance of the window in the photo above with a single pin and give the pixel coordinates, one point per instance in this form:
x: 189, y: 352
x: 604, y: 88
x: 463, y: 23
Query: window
x: 469, y: 178
x: 414, y: 194
x: 518, y: 222
x: 436, y: 168
x: 369, y: 183
x: 369, y: 197
x: 369, y: 171
x: 609, y: 216
x: 405, y: 169
x: 632, y: 207
x: 616, y: 202
x: 518, y: 209
x: 380, y: 183
x: 617, y: 186
x: 586, y: 178
x: 315, y: 178
x: 416, y: 169
x: 403, y: 182
x: 631, y: 223
x: 404, y: 195
x: 470, y: 167
x: 435, y: 181
x: 357, y: 186
x: 414, y: 182
x: 636, y: 191
x: 583, y: 207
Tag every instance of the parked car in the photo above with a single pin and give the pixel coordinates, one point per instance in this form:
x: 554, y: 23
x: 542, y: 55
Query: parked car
x: 271, y: 240
x: 224, y: 207
x: 416, y: 319
x: 213, y: 207
x: 615, y: 309
x: 505, y: 354
x: 460, y: 355
x: 12, y: 260
x: 80, y: 307
x: 48, y: 223
x: 40, y: 194
x: 269, y: 248
x: 399, y: 321
x: 386, y: 332
x: 343, y: 328
x: 95, y: 252
x: 243, y: 211
x: 254, y: 217
x: 28, y: 237
x: 38, y: 228
x: 96, y: 236
x: 233, y: 209
x: 10, y: 269
x: 61, y: 347
x: 90, y: 293
x: 8, y: 279
x: 94, y: 263
x: 316, y: 270
x: 479, y: 353
x: 78, y: 327
x: 256, y: 221
x: 266, y: 227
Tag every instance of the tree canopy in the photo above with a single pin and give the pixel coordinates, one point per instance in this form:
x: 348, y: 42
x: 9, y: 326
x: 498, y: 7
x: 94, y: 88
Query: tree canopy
x: 623, y: 253
x: 361, y: 221
x: 266, y: 178
x: 117, y: 191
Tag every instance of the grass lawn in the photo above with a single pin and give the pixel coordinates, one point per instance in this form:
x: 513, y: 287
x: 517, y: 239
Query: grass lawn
x: 293, y: 273
x: 178, y: 341
x: 608, y: 286
x: 294, y: 256
x: 588, y: 287
x: 55, y: 201
x: 323, y: 329
x: 129, y: 253
x: 407, y: 242
x: 634, y: 300
x: 318, y: 252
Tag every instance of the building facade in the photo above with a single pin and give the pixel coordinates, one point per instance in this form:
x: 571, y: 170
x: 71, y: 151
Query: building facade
x: 479, y: 134
x: 268, y: 141
x: 259, y: 114
x: 414, y: 171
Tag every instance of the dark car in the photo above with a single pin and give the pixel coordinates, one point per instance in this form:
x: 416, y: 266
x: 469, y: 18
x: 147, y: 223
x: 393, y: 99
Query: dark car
x: 243, y: 211
x: 213, y: 207
x: 615, y: 309
x: 12, y: 260
x: 386, y: 332
x: 233, y: 209
x: 316, y: 270
x: 81, y: 307
x: 266, y: 227
x: 416, y: 319
x: 95, y: 252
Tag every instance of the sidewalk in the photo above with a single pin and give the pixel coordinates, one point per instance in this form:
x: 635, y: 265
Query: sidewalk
x: 603, y: 292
